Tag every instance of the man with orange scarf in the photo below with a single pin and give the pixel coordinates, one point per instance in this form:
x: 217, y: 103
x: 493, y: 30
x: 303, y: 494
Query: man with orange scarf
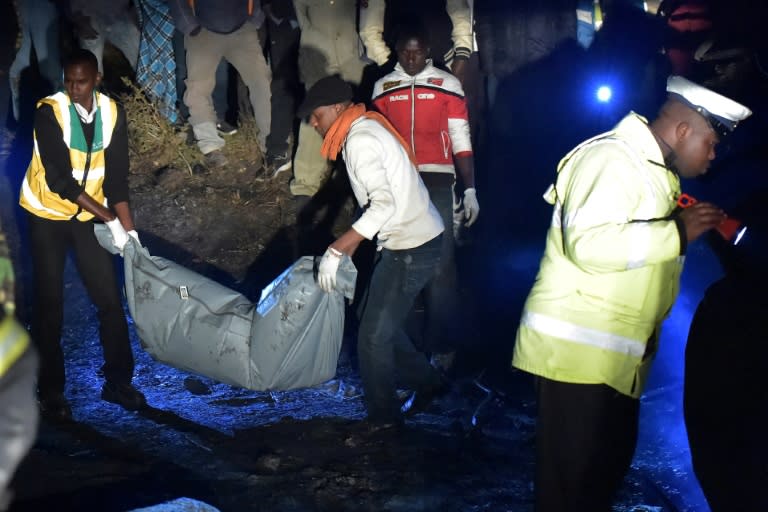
x: 408, y: 231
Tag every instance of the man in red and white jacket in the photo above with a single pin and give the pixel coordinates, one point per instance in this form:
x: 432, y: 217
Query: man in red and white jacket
x: 426, y: 106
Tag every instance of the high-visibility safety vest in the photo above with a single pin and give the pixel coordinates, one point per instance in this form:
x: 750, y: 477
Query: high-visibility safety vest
x: 14, y: 341
x: 250, y: 6
x: 611, y: 266
x: 87, y: 163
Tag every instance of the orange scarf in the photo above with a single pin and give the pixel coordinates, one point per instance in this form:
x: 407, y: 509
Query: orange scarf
x: 338, y: 131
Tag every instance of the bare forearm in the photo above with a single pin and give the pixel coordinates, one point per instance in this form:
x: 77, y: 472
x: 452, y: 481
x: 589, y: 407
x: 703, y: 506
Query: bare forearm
x: 123, y: 211
x: 104, y: 214
x: 466, y: 168
x: 90, y: 205
x: 348, y: 242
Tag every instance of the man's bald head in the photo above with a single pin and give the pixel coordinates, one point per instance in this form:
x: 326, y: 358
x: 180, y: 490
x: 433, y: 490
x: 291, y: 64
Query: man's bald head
x: 674, y: 112
x: 686, y: 139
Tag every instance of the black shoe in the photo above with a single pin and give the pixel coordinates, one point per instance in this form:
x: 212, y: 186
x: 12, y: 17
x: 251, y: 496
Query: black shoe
x: 124, y: 395
x: 278, y: 163
x: 224, y: 128
x: 421, y: 399
x: 55, y: 408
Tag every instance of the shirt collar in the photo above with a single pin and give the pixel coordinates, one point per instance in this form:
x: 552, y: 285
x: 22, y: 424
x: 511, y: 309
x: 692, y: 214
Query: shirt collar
x: 84, y: 115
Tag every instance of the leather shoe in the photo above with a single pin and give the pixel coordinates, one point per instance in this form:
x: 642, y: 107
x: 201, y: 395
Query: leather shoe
x: 55, y: 408
x: 124, y: 395
x: 420, y: 400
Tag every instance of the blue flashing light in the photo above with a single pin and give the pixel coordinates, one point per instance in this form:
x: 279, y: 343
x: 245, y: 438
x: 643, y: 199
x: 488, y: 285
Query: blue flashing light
x: 604, y: 94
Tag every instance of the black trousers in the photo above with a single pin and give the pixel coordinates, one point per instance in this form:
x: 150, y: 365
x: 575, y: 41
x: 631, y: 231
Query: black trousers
x: 285, y: 89
x: 585, y: 440
x: 50, y: 241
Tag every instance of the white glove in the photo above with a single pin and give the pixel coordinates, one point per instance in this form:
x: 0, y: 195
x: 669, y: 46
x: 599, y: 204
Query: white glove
x: 326, y: 272
x: 119, y: 235
x: 471, y: 206
x: 133, y: 234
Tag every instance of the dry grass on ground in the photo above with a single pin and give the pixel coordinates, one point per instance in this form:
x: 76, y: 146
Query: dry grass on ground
x: 225, y: 217
x: 156, y: 144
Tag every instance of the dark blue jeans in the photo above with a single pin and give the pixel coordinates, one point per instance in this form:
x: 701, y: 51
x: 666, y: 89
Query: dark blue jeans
x: 385, y: 353
x: 443, y: 322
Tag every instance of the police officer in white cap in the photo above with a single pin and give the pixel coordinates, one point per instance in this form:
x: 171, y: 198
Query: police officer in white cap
x: 609, y: 276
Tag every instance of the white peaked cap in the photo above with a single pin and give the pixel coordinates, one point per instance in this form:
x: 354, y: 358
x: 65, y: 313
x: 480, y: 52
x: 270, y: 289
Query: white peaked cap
x: 713, y: 106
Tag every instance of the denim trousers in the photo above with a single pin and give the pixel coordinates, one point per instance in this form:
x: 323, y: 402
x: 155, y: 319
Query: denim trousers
x: 385, y: 353
x: 443, y: 322
x: 122, y: 33
x: 39, y: 27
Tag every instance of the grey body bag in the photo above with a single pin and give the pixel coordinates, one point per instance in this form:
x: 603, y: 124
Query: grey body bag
x: 290, y: 339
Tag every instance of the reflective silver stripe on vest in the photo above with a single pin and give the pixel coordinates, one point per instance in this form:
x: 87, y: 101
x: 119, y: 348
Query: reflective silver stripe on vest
x: 66, y: 128
x: 95, y: 173
x: 641, y: 240
x: 35, y: 203
x: 559, y: 329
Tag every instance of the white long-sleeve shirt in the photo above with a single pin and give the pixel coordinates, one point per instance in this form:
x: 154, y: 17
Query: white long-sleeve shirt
x: 386, y: 184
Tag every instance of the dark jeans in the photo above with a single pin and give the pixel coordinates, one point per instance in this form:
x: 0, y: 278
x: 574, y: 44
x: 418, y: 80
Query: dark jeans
x: 283, y: 57
x: 585, y: 440
x: 384, y: 350
x: 443, y: 324
x: 50, y: 241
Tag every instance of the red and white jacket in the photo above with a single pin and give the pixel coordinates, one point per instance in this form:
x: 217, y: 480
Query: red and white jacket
x: 430, y: 113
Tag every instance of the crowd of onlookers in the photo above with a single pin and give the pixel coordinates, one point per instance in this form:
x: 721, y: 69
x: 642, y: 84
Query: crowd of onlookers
x: 186, y: 55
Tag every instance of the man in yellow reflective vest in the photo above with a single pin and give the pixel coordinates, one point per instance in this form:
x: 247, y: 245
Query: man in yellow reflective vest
x: 609, y: 276
x: 78, y: 174
x: 18, y: 368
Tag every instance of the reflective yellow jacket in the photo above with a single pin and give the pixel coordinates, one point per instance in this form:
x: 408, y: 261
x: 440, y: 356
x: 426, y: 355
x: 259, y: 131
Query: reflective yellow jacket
x: 35, y: 195
x: 611, y: 266
x: 14, y: 341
